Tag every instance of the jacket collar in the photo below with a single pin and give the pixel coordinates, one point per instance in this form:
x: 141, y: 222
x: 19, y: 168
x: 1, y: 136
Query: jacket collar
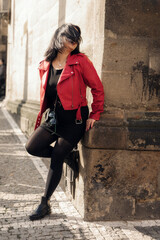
x: 71, y: 60
x: 44, y: 65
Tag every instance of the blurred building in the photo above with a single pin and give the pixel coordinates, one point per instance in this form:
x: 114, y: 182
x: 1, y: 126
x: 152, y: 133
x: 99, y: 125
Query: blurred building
x: 119, y: 158
x: 4, y: 18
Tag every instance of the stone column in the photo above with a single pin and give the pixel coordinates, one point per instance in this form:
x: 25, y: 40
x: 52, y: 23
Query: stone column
x: 121, y: 153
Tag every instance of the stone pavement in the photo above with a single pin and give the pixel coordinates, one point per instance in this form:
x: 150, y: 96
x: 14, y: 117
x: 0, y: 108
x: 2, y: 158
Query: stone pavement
x: 22, y: 182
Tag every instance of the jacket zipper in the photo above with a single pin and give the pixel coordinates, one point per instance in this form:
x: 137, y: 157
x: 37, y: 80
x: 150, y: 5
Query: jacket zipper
x: 72, y: 92
x: 80, y: 90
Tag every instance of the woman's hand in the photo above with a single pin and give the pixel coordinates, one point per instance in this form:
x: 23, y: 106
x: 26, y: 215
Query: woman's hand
x: 89, y: 123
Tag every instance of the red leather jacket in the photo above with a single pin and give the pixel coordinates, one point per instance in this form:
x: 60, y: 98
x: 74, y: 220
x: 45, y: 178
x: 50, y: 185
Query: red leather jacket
x: 77, y: 74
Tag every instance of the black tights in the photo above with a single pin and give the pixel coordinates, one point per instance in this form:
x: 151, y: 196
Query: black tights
x: 39, y: 145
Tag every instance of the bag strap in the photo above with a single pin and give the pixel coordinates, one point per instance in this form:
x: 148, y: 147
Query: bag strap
x: 55, y: 103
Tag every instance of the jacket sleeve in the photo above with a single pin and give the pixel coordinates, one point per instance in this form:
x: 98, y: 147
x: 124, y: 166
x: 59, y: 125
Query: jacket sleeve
x: 92, y: 80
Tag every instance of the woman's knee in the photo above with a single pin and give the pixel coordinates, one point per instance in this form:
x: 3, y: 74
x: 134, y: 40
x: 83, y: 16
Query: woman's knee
x: 27, y: 147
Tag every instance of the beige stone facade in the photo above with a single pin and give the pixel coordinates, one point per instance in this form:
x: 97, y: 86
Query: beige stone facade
x: 119, y: 157
x: 4, y: 6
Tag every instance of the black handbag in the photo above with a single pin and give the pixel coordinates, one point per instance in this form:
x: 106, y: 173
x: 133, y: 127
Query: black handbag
x: 50, y: 116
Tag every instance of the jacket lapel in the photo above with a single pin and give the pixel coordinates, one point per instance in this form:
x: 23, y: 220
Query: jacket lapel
x: 44, y: 65
x: 66, y: 73
x: 68, y: 69
x: 44, y: 71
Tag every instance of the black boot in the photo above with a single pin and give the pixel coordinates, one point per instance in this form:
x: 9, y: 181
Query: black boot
x: 42, y: 210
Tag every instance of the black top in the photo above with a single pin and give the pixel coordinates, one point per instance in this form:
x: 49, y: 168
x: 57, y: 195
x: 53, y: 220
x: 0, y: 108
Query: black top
x: 51, y: 90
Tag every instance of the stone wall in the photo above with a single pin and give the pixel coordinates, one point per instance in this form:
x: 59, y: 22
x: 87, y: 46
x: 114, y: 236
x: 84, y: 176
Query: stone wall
x: 32, y: 26
x: 132, y: 54
x: 124, y: 174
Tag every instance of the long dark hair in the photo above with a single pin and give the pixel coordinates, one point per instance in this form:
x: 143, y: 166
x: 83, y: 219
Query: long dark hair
x: 71, y: 32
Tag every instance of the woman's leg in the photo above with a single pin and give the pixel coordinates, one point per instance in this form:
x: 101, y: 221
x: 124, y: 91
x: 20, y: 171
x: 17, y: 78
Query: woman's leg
x: 39, y: 143
x: 61, y: 149
x: 59, y: 152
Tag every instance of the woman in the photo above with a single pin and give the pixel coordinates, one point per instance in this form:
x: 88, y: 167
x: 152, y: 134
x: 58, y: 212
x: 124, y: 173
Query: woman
x: 65, y: 73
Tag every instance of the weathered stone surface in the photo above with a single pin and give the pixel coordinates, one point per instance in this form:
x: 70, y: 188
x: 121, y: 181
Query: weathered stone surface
x: 119, y: 183
x: 132, y: 130
x: 133, y: 18
x: 108, y: 133
x: 24, y: 113
x: 143, y: 130
x: 131, y: 77
x: 147, y: 209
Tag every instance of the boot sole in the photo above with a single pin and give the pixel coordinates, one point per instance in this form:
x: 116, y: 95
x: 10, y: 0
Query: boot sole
x: 34, y: 217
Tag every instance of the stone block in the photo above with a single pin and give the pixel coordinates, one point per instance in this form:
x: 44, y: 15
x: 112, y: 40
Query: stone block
x: 117, y: 181
x: 122, y: 53
x: 114, y: 208
x: 118, y: 129
x: 147, y: 209
x: 108, y: 133
x: 126, y: 90
x: 119, y: 91
x: 24, y: 113
x: 143, y: 130
x: 133, y: 18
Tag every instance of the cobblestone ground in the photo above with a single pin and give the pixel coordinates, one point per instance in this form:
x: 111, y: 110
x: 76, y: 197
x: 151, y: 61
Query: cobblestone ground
x: 22, y: 181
